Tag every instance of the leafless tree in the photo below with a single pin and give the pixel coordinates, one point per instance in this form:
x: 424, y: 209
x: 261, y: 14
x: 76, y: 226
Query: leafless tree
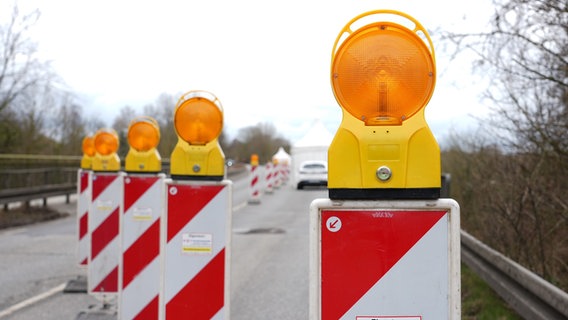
x: 520, y: 186
x: 162, y: 110
x: 26, y: 87
x: 20, y: 67
x: 120, y: 125
x: 262, y: 140
x: 70, y: 128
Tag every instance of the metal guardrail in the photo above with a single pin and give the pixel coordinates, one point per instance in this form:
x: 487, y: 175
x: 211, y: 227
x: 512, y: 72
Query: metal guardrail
x: 26, y: 195
x: 528, y: 294
x: 42, y: 183
x: 36, y: 177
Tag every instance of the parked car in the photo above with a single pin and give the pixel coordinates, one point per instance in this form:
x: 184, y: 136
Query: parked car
x: 312, y: 173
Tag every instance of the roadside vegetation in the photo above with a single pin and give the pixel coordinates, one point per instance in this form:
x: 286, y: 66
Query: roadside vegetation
x: 480, y: 302
x: 511, y: 175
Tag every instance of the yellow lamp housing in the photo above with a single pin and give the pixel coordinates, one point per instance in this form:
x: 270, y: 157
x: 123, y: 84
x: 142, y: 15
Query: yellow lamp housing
x: 254, y: 159
x: 198, y: 121
x: 143, y: 138
x: 383, y: 74
x: 106, y: 145
x: 89, y: 152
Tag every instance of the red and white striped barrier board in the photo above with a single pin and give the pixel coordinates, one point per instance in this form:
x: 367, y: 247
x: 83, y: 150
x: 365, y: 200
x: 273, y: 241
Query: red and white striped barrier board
x: 283, y: 173
x: 83, y: 201
x: 196, y: 251
x: 254, y: 184
x: 139, y: 268
x: 385, y: 260
x: 268, y: 177
x: 276, y: 178
x: 104, y: 217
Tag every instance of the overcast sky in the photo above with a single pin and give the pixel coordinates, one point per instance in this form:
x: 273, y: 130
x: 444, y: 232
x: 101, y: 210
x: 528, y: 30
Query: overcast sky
x: 266, y: 61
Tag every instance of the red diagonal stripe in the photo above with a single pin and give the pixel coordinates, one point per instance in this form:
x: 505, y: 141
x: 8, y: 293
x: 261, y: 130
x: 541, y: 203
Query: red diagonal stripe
x: 254, y: 180
x: 109, y: 283
x: 84, y: 181
x: 100, y: 183
x: 366, y: 247
x: 185, y: 203
x: 150, y: 311
x: 83, y: 225
x: 141, y: 253
x: 203, y: 296
x: 104, y: 233
x: 136, y: 188
x: 84, y: 262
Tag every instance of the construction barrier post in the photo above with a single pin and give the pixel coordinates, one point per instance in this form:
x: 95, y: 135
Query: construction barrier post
x: 196, y: 251
x: 83, y: 201
x: 254, y: 180
x: 384, y: 245
x: 143, y: 207
x: 391, y: 259
x: 139, y: 271
x: 196, y: 229
x: 268, y: 178
x: 104, y: 216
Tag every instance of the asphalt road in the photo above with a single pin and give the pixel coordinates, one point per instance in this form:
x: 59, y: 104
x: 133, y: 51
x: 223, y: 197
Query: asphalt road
x: 269, y: 262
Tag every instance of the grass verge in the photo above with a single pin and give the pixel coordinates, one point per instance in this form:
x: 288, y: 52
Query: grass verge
x: 480, y: 302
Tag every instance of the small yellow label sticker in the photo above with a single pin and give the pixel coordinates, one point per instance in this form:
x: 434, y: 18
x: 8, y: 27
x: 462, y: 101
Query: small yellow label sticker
x: 197, y: 243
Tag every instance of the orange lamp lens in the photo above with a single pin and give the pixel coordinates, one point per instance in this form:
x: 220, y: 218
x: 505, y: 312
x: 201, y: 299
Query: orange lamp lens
x: 198, y: 121
x: 143, y: 135
x: 88, y: 146
x: 106, y: 142
x: 383, y: 74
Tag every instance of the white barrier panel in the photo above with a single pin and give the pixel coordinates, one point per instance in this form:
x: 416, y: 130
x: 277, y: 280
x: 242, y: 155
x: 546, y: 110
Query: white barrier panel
x: 196, y: 237
x: 276, y: 178
x: 139, y: 269
x: 254, y: 184
x: 268, y: 177
x: 83, y: 201
x: 104, y: 217
x: 384, y: 259
x: 284, y: 171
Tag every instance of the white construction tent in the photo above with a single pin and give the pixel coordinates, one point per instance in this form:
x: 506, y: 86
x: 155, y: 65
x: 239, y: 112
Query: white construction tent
x: 312, y: 146
x: 282, y: 156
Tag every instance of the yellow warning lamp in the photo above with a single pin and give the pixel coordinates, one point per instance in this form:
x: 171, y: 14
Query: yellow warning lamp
x: 106, y: 145
x: 88, y: 147
x: 143, y: 138
x: 198, y: 121
x: 383, y: 75
x: 254, y: 159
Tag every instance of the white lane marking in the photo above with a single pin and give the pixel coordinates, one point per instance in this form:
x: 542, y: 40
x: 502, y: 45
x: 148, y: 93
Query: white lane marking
x: 239, y: 206
x: 32, y: 300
